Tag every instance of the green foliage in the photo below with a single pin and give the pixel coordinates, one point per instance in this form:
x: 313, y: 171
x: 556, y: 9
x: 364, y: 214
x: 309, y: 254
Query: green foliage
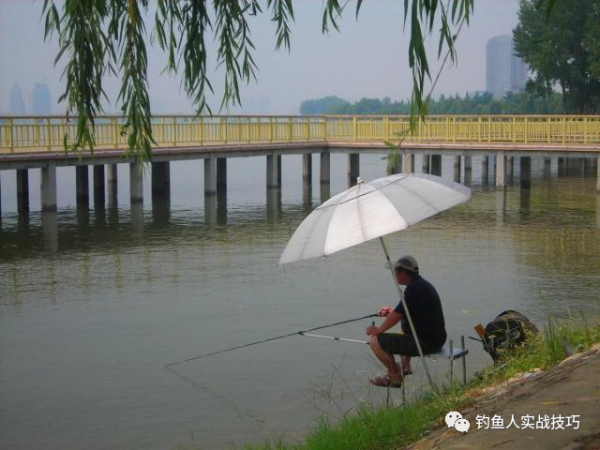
x: 478, y: 104
x: 100, y: 37
x: 562, y: 48
x: 320, y: 105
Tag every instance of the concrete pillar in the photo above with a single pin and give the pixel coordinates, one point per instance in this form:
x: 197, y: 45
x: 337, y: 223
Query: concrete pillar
x: 136, y: 184
x: 325, y: 192
x: 307, y: 169
x: 500, y: 170
x: 598, y: 174
x: 22, y: 191
x: 426, y: 164
x: 510, y: 164
x: 221, y: 175
x: 325, y: 168
x: 210, y: 176
x: 161, y: 180
x: 457, y: 168
x: 279, y: 166
x: 48, y: 188
x: 468, y: 170
x: 409, y: 163
x: 273, y: 174
x: 485, y: 169
x: 82, y: 186
x: 353, y: 168
x: 547, y: 168
x: 436, y: 165
x: 99, y: 186
x: 112, y: 185
x: 525, y: 172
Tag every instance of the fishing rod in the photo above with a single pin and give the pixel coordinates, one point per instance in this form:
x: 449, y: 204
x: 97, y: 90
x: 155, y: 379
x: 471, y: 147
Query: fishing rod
x: 296, y: 333
x: 334, y: 338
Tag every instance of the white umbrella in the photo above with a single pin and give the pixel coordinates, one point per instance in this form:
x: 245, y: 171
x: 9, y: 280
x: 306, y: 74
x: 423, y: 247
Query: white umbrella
x: 372, y: 210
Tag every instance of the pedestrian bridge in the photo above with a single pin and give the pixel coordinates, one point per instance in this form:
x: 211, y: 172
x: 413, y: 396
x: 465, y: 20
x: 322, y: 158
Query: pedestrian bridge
x: 39, y: 136
x: 39, y: 142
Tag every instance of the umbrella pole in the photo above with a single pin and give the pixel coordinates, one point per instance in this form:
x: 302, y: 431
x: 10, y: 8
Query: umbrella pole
x: 410, y: 322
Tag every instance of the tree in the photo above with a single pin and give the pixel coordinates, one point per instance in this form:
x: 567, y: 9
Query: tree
x: 563, y: 49
x: 100, y: 37
x: 322, y: 105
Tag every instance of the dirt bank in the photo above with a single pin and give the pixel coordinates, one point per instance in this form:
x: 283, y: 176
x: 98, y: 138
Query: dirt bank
x: 555, y: 409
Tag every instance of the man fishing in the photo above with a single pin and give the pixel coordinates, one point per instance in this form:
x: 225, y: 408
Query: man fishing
x: 425, y: 308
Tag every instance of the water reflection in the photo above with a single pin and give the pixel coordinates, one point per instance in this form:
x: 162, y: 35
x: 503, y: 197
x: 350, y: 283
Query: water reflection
x: 152, y: 285
x: 50, y: 227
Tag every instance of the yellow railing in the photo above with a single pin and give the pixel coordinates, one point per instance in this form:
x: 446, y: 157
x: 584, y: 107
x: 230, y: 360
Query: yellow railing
x: 38, y: 134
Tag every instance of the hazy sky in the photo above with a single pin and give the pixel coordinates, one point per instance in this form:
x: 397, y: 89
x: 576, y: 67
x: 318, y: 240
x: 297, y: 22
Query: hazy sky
x: 368, y: 58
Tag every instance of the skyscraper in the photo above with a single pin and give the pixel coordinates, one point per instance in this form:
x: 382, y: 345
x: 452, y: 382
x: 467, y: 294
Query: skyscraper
x: 42, y: 105
x: 17, y: 105
x: 505, y: 71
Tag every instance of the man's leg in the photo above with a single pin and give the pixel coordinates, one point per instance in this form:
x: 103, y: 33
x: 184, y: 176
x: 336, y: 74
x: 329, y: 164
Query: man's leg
x: 387, y: 360
x: 406, y: 364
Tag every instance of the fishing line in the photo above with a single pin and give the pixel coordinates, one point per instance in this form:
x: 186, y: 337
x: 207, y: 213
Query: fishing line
x: 244, y: 411
x: 238, y: 347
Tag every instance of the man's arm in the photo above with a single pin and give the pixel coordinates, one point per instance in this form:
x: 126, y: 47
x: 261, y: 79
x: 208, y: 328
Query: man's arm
x: 392, y: 319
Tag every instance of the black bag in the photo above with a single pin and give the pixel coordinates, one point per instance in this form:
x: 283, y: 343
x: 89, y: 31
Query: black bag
x: 508, y: 330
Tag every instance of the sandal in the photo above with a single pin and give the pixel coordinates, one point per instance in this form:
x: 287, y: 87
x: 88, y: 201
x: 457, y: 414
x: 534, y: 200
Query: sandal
x: 385, y: 381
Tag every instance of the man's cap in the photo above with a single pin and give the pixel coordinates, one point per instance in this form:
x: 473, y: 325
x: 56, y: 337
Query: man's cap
x: 407, y: 263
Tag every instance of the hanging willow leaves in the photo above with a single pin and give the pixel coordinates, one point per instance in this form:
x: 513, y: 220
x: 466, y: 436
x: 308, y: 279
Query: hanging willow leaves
x: 100, y: 37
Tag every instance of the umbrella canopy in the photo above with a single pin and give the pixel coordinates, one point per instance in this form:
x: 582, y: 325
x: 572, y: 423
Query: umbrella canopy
x: 371, y: 210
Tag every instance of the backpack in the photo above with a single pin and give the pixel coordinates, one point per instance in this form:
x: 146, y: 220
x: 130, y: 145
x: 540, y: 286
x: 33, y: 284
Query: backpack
x: 508, y: 330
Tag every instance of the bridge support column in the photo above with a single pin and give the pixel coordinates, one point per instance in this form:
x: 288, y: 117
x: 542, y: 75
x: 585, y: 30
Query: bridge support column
x: 221, y: 176
x: 409, y: 163
x: 525, y: 172
x: 307, y: 169
x: 510, y: 167
x: 279, y: 166
x: 485, y: 169
x: 161, y: 180
x: 426, y: 164
x: 353, y: 168
x: 468, y: 170
x: 99, y: 186
x: 273, y: 172
x: 22, y: 191
x: 436, y: 165
x: 598, y: 175
x: 48, y: 188
x: 112, y: 180
x: 136, y: 184
x: 500, y: 170
x: 210, y: 176
x: 325, y: 168
x: 457, y: 168
x: 82, y: 187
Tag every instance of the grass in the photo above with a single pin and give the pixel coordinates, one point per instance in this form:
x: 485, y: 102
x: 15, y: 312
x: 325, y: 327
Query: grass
x: 375, y: 428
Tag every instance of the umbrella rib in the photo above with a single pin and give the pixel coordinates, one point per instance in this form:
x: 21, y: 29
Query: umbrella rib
x: 361, y: 195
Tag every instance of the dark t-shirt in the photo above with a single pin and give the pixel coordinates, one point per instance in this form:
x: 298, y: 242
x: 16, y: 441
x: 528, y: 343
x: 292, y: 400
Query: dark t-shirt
x: 425, y: 308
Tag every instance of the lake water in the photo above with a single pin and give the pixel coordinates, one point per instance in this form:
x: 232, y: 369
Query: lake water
x: 89, y: 317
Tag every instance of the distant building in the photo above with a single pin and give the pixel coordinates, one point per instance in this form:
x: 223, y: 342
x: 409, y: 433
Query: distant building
x: 17, y: 105
x: 42, y: 104
x: 505, y: 71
